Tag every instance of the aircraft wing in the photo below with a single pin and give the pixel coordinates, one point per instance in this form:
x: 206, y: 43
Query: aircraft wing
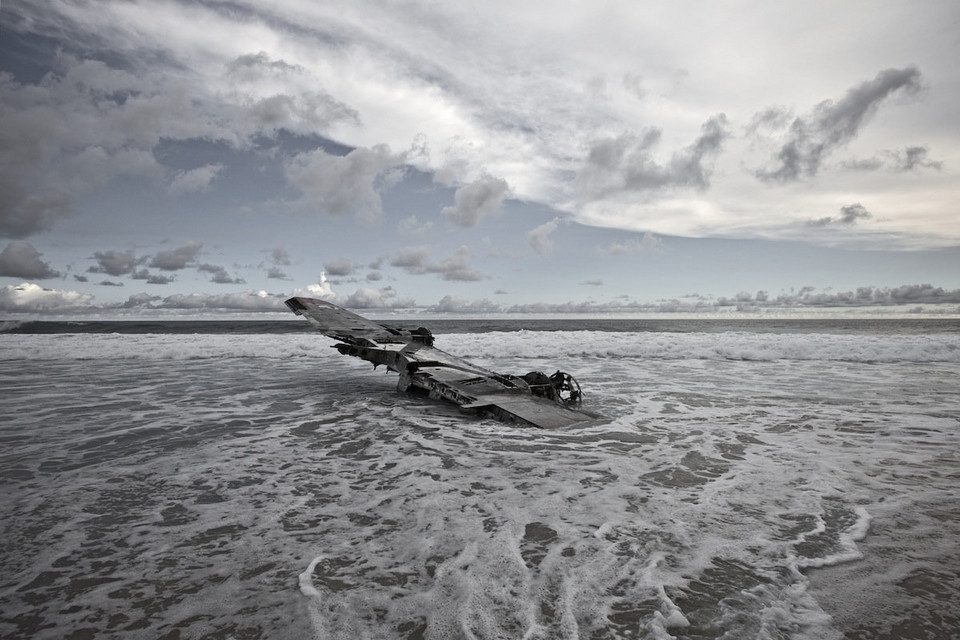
x: 340, y: 324
x: 534, y: 398
x: 538, y: 412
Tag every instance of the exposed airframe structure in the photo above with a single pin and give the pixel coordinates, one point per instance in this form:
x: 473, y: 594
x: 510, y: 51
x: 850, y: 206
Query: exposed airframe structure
x: 535, y: 398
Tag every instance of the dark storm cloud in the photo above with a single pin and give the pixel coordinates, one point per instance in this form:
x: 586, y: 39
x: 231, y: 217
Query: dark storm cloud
x: 176, y: 259
x: 89, y: 121
x: 627, y: 162
x: 114, y: 263
x: 849, y: 215
x: 414, y: 260
x: 81, y: 126
x: 110, y: 283
x: 23, y: 215
x: 276, y: 273
x: 812, y: 138
x: 476, y: 200
x: 22, y: 260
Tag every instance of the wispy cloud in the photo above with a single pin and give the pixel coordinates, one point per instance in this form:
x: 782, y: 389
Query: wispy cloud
x: 812, y: 138
x: 194, y: 180
x: 849, y: 216
x: 539, y: 237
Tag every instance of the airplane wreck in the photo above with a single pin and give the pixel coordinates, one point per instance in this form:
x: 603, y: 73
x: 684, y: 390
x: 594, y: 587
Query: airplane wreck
x: 535, y: 398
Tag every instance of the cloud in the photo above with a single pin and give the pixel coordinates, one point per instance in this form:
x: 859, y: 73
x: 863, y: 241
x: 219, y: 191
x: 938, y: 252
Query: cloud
x: 114, y: 263
x: 451, y: 304
x: 831, y: 124
x: 486, y: 90
x: 78, y: 129
x: 176, y: 259
x: 385, y: 297
x: 413, y: 227
x: 274, y: 94
x: 88, y: 122
x: 415, y: 261
x: 591, y: 283
x: 22, y: 260
x: 280, y: 257
x: 339, y: 267
x: 900, y: 160
x: 861, y: 297
x: 29, y: 297
x: 849, y: 215
x: 194, y: 180
x: 539, y: 238
x: 219, y: 274
x: 344, y: 185
x: 913, y: 158
x: 477, y: 200
x: 254, y: 67
x: 627, y: 162
x: 138, y: 300
x: 276, y: 273
x: 648, y: 242
x: 243, y: 301
x: 320, y: 289
x: 151, y: 278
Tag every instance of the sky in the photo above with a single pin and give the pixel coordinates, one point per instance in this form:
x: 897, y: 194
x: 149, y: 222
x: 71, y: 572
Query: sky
x: 584, y: 156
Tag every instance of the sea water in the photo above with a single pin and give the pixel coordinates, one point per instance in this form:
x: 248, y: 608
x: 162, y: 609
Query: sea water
x: 763, y: 481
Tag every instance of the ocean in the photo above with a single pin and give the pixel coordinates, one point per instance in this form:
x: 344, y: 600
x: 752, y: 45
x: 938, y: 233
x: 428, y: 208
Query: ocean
x: 768, y: 479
